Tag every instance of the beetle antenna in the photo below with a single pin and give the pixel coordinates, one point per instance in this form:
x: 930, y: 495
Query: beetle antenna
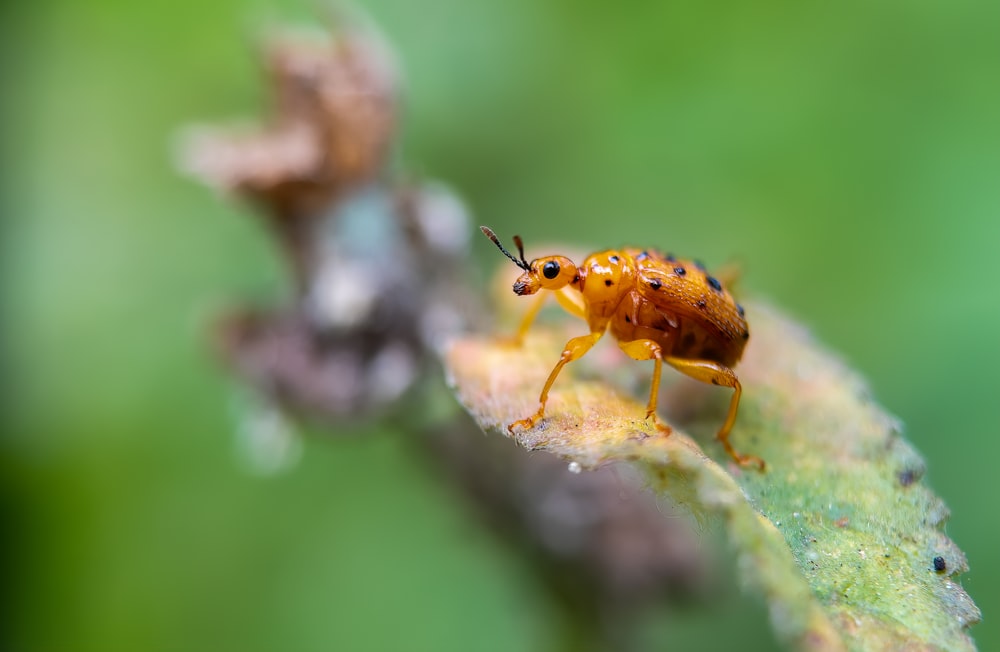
x: 523, y: 264
x: 520, y: 251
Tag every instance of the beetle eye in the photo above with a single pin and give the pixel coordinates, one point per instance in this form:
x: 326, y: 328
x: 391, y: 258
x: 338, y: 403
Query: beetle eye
x: 550, y: 270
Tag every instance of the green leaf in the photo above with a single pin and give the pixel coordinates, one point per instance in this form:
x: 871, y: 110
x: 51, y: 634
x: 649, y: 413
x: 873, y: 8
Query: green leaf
x: 839, y: 535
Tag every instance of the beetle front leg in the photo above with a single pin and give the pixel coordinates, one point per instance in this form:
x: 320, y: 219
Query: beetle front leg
x: 572, y: 302
x: 527, y: 320
x: 569, y: 303
x: 575, y: 348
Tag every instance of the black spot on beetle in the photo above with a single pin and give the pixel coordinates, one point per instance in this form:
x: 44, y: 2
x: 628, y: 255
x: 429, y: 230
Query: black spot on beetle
x: 628, y: 320
x: 714, y: 283
x: 740, y: 310
x: 655, y: 284
x: 613, y: 259
x: 939, y: 564
x: 608, y: 282
x: 643, y: 256
x: 680, y: 271
x: 746, y: 335
x: 701, y: 304
x: 576, y: 279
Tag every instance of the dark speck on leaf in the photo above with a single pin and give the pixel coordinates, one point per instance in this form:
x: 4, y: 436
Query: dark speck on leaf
x: 907, y: 477
x: 939, y: 564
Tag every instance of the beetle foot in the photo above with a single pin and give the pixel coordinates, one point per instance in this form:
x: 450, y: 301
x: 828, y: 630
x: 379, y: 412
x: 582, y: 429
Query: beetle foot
x: 664, y: 429
x: 525, y: 424
x: 750, y: 460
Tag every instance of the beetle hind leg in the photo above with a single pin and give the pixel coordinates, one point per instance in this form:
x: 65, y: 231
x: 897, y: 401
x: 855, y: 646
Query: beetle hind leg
x: 717, y: 374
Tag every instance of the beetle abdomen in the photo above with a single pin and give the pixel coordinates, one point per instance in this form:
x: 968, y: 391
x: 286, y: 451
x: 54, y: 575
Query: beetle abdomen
x: 684, y: 288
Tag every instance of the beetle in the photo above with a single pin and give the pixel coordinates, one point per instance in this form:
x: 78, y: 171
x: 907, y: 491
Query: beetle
x: 656, y: 306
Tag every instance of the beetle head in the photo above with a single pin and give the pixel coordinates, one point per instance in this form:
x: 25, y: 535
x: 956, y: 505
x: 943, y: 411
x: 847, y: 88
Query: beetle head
x: 548, y: 273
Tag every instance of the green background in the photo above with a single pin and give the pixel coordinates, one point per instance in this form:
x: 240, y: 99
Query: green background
x: 848, y: 154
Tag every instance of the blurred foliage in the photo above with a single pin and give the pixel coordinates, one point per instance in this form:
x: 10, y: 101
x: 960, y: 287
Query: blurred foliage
x: 846, y: 154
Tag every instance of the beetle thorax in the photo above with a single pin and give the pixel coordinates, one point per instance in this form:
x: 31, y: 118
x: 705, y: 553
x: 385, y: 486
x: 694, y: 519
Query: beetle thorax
x: 606, y: 278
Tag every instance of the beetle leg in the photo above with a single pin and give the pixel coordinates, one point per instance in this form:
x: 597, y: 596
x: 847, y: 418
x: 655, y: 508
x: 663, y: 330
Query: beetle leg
x: 717, y: 374
x: 569, y: 302
x: 729, y: 274
x: 575, y: 348
x: 527, y: 320
x: 572, y: 302
x: 648, y: 350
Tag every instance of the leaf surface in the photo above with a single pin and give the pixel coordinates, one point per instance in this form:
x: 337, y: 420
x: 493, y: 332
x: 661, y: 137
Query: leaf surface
x: 839, y: 535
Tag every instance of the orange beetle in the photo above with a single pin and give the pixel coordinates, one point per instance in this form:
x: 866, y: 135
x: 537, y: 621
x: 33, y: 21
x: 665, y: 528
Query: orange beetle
x: 658, y: 307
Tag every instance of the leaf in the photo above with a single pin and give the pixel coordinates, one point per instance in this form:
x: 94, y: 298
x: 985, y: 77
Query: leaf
x: 839, y: 535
